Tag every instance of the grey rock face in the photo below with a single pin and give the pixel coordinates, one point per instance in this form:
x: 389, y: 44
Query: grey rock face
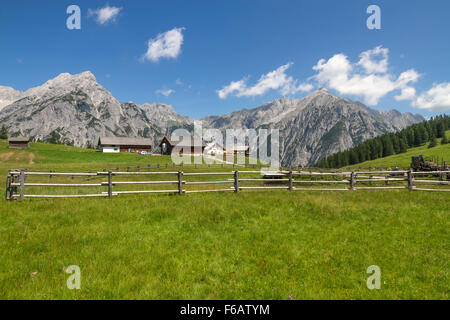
x: 77, y: 109
x: 8, y: 95
x: 316, y: 126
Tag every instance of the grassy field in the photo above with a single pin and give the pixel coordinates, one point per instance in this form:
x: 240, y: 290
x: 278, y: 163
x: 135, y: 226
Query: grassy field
x: 251, y: 245
x: 403, y: 160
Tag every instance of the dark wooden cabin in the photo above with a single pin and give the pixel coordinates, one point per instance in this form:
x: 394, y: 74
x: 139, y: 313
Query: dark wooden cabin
x: 188, y: 146
x: 19, y: 142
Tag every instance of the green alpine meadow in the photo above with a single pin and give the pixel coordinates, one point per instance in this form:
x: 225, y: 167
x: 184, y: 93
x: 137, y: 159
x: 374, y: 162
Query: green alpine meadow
x: 263, y: 244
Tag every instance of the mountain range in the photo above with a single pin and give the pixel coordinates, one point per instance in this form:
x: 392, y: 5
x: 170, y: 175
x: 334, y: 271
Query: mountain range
x: 76, y: 109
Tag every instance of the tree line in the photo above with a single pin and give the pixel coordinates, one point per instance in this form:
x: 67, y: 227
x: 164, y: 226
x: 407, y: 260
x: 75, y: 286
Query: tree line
x: 391, y: 143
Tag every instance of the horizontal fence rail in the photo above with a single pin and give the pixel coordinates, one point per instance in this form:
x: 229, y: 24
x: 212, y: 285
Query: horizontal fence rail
x: 114, y: 182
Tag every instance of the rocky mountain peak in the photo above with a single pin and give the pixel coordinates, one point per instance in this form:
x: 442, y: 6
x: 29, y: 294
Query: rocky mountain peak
x: 8, y: 95
x: 157, y: 107
x: 65, y: 80
x: 321, y: 93
x: 65, y: 83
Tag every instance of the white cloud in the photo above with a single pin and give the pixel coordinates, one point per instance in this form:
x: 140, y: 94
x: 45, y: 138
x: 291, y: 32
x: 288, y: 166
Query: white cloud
x: 165, y: 45
x: 105, y: 14
x: 369, y: 78
x: 305, y: 87
x: 274, y: 80
x: 407, y: 93
x: 368, y: 60
x: 436, y: 99
x: 406, y: 77
x: 165, y: 92
x: 339, y: 74
x: 234, y: 86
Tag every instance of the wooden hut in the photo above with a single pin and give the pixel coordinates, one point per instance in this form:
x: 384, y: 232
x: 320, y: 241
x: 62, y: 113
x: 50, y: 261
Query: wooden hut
x: 188, y: 146
x: 19, y: 142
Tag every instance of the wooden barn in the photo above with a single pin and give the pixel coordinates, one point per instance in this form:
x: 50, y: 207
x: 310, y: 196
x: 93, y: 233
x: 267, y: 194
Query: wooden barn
x: 120, y: 144
x: 19, y: 142
x: 189, y: 147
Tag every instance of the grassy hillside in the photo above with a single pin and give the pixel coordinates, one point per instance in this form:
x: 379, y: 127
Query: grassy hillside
x: 251, y: 245
x: 44, y: 154
x: 403, y: 160
x: 56, y: 157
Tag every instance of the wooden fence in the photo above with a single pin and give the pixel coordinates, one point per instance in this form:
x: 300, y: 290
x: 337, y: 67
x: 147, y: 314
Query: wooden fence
x: 158, y: 166
x: 18, y: 181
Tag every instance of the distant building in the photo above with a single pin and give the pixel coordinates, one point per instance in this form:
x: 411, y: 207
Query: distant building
x: 214, y: 148
x: 239, y: 150
x: 186, y: 147
x: 119, y: 144
x: 19, y: 142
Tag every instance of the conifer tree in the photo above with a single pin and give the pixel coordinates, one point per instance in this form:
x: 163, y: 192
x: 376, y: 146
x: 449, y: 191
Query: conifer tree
x: 433, y: 143
x: 4, y: 132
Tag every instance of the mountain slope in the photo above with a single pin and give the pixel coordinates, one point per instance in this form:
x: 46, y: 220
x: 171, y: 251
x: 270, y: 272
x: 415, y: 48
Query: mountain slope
x: 8, y: 95
x: 403, y: 160
x: 317, y: 125
x: 77, y: 110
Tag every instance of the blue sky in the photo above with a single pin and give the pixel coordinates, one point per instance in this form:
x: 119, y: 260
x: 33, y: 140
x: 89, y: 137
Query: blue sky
x: 254, y: 51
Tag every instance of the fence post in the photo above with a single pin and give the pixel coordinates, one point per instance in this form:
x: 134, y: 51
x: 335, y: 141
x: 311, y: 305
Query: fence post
x: 180, y: 182
x: 109, y: 184
x: 352, y: 180
x: 22, y: 185
x: 290, y: 181
x: 236, y: 181
x: 8, y: 186
x: 13, y: 189
x: 410, y: 179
